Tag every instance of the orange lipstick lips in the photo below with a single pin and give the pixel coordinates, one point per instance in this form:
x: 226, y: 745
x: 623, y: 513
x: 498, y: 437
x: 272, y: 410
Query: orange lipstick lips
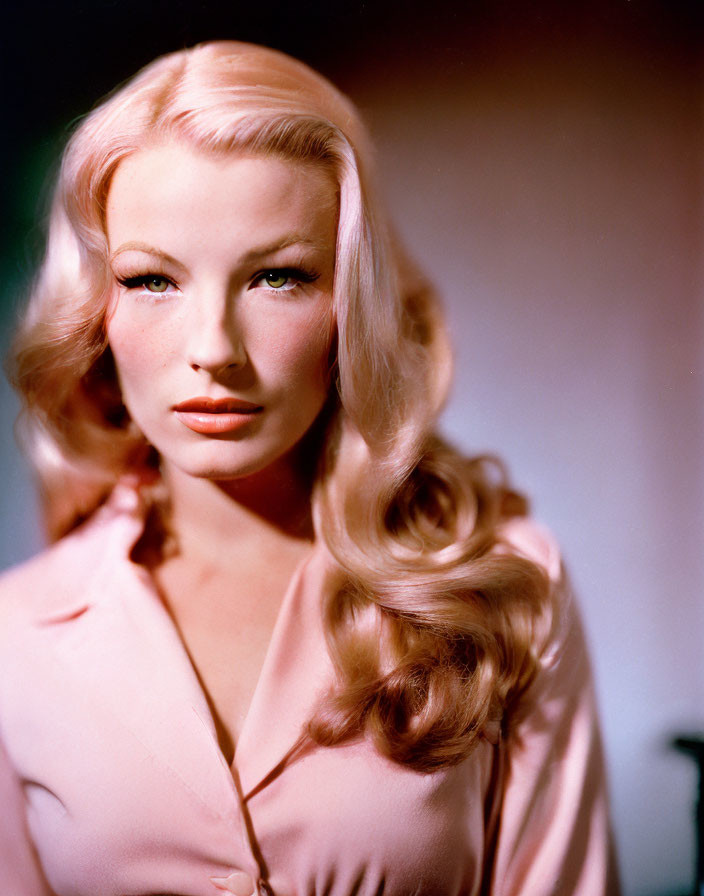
x: 210, y: 416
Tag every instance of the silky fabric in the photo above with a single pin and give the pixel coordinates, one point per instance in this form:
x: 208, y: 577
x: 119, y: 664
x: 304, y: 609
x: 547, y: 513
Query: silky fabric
x: 112, y: 781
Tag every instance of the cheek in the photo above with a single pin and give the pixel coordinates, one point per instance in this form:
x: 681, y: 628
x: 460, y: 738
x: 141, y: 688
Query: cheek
x: 137, y: 349
x: 130, y: 359
x: 299, y: 354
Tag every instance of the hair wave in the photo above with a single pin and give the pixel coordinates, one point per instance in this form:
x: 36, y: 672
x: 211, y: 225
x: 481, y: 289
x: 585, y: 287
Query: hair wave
x: 433, y: 628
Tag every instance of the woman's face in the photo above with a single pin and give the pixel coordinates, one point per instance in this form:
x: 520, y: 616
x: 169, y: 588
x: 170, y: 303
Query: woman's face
x: 221, y: 320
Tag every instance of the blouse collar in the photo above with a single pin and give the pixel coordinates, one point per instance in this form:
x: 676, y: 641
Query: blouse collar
x: 117, y: 601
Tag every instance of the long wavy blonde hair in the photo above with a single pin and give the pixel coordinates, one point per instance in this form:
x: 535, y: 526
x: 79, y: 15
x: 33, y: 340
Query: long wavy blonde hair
x: 434, y: 632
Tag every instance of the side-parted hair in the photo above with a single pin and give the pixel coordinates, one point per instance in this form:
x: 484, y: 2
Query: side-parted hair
x: 434, y: 627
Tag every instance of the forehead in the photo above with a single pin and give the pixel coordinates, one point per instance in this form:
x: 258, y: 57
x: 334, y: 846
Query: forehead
x: 172, y: 185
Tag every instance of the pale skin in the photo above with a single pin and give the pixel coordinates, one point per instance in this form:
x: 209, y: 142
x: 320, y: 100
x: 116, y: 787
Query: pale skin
x: 223, y: 290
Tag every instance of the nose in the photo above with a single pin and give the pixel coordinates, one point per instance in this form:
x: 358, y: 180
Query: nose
x: 215, y: 343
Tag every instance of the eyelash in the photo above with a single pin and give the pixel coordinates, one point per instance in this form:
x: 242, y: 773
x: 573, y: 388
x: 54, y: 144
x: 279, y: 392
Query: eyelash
x: 300, y: 275
x: 139, y: 281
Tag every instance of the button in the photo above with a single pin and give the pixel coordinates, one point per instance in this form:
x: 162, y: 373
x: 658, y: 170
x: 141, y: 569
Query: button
x: 239, y: 882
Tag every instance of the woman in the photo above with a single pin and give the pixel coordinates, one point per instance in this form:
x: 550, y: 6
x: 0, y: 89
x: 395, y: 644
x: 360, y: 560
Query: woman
x: 287, y: 641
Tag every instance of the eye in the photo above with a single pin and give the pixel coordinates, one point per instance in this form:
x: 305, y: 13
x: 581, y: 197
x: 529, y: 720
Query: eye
x: 283, y: 279
x: 155, y: 283
x: 277, y: 279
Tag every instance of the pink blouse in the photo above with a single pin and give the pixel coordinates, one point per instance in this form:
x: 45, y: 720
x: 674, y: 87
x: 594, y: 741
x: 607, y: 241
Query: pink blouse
x: 112, y: 781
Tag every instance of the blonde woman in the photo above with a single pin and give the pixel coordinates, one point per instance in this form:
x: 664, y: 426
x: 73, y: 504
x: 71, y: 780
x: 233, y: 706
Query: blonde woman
x: 287, y: 640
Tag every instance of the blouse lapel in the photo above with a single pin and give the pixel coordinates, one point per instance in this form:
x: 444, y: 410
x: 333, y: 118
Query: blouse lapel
x: 121, y: 655
x: 133, y: 672
x: 296, y: 671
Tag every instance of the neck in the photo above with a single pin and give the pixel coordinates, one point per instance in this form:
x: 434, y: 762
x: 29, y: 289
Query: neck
x: 206, y: 516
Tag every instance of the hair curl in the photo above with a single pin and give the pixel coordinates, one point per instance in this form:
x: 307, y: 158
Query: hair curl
x: 433, y: 631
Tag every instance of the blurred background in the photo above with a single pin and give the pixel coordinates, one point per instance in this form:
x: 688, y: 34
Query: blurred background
x: 544, y: 162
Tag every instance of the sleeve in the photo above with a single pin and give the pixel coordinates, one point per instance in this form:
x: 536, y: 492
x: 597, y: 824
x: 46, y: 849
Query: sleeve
x: 20, y: 872
x: 551, y: 831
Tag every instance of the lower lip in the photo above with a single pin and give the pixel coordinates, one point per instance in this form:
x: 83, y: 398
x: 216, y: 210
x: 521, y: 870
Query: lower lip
x: 213, y: 424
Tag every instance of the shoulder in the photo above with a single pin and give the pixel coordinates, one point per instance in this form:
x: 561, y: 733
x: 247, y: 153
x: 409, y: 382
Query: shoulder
x: 559, y: 639
x: 527, y: 538
x: 55, y: 582
x: 564, y: 669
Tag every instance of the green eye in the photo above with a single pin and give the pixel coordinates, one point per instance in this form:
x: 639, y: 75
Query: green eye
x: 156, y: 284
x: 276, y: 279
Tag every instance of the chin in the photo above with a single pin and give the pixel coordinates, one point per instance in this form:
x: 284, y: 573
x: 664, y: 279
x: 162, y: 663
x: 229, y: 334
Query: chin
x: 225, y: 465
x: 219, y: 472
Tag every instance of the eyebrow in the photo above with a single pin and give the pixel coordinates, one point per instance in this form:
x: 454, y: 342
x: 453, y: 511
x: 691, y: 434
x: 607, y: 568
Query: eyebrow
x: 150, y: 250
x: 248, y: 258
x: 273, y: 248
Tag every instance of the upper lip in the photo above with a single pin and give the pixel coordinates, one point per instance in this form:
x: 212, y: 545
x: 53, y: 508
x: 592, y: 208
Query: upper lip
x: 205, y: 405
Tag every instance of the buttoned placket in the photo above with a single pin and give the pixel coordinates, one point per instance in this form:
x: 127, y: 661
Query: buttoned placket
x: 246, y: 879
x: 239, y: 881
x: 242, y: 884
